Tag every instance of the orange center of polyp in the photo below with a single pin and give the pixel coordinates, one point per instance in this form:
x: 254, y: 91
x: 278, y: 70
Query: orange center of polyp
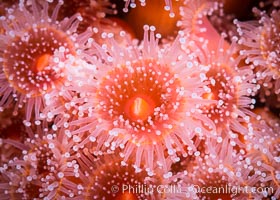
x: 41, y: 62
x: 209, y: 96
x: 140, y: 108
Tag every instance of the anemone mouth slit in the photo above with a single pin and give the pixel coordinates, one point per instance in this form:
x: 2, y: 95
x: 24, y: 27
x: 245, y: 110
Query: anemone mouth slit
x: 41, y: 62
x: 139, y: 107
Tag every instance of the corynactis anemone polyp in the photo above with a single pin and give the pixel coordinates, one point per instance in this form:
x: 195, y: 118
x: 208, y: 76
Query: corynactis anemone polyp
x: 259, y: 40
x: 146, y: 85
x: 260, y: 166
x: 33, y: 54
x: 146, y: 100
x: 33, y: 49
x: 40, y: 171
x: 107, y: 177
x: 231, y: 86
x: 221, y: 91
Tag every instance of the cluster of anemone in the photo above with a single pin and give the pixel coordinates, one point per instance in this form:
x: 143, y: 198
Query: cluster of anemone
x: 89, y: 111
